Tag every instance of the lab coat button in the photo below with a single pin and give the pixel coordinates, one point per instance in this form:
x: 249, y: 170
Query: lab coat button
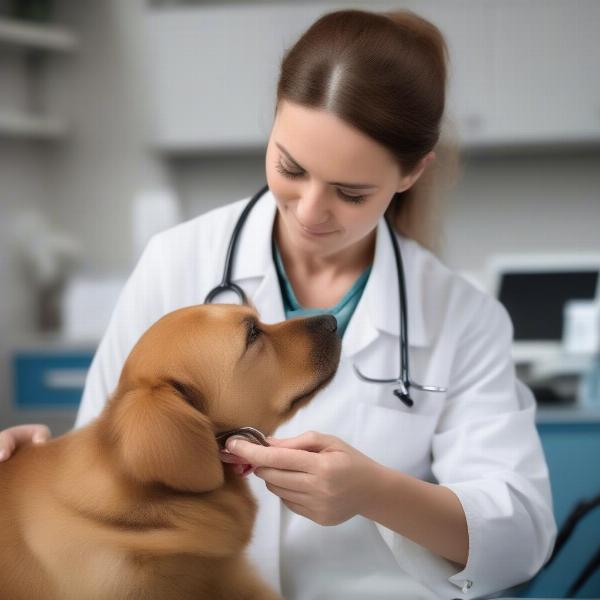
x: 467, y: 586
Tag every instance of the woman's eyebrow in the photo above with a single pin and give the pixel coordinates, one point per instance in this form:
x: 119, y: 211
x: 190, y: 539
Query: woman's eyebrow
x: 354, y: 186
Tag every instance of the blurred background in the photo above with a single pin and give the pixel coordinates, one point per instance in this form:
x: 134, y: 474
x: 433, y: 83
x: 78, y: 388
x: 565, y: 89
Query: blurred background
x: 120, y: 118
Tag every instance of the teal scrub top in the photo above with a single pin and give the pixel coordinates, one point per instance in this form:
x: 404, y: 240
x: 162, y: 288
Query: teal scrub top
x: 342, y: 311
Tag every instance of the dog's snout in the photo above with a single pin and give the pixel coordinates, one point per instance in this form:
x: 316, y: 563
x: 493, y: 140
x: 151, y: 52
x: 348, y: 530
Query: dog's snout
x: 322, y: 322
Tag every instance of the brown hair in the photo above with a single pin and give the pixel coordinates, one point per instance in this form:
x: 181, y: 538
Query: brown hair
x: 384, y: 74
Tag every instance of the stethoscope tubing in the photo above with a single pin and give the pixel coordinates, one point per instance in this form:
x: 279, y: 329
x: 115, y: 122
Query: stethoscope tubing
x: 403, y: 382
x: 226, y: 284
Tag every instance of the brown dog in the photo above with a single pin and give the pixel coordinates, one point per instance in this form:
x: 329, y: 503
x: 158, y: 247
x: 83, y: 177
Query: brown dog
x: 138, y: 505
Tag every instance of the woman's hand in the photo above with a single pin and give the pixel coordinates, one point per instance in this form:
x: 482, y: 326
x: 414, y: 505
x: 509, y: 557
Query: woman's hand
x: 13, y: 437
x: 317, y: 476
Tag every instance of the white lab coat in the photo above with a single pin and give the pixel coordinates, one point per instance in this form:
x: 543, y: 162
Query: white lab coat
x: 478, y: 439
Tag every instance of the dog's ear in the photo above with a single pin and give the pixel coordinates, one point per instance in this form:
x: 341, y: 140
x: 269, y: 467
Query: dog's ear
x: 160, y: 438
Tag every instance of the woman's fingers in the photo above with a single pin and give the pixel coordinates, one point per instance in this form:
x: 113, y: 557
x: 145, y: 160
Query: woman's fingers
x: 20, y: 435
x: 227, y: 457
x: 291, y: 480
x: 297, y: 498
x: 41, y: 434
x: 311, y: 441
x: 277, y: 458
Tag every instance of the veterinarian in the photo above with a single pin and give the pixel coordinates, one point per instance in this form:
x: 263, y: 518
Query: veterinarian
x: 367, y: 492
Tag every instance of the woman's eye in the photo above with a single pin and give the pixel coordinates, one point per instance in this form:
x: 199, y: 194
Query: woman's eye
x: 286, y: 172
x: 295, y: 174
x: 350, y: 198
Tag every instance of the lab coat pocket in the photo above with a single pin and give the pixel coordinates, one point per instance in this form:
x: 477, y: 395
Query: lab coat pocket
x: 395, y: 437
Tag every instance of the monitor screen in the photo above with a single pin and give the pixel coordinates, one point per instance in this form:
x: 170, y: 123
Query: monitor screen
x: 535, y: 300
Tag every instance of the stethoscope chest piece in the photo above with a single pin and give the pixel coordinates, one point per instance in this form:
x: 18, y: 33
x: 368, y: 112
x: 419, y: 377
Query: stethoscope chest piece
x: 250, y: 434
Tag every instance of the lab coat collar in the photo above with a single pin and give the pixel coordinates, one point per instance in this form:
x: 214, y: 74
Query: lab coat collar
x: 378, y: 309
x: 254, y: 257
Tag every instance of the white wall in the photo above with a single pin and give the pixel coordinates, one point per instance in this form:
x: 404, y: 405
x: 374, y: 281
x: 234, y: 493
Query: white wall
x: 524, y: 203
x: 520, y: 202
x: 106, y: 162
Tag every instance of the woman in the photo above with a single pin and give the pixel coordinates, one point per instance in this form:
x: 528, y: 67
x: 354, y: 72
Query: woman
x: 365, y: 497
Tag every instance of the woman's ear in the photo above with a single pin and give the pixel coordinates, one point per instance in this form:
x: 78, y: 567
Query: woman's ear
x: 159, y: 438
x: 409, y: 179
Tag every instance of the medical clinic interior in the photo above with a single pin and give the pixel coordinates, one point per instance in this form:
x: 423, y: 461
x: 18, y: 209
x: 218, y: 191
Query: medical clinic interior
x: 122, y: 118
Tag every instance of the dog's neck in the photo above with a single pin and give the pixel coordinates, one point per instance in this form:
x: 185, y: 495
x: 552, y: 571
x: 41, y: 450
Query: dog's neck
x: 108, y: 501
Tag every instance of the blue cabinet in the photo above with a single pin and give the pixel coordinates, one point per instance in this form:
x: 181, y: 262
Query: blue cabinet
x: 49, y: 378
x: 572, y: 448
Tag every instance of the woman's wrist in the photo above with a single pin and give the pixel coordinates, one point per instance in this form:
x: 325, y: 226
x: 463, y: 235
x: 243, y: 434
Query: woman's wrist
x: 387, y: 494
x: 426, y: 513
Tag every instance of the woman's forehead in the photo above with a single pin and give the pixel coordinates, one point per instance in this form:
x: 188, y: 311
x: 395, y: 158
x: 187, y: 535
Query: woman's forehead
x: 316, y: 139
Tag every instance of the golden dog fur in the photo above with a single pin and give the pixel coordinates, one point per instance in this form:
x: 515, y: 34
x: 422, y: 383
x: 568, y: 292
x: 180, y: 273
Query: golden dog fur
x: 138, y: 505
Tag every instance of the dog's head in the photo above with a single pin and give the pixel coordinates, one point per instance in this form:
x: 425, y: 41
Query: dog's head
x: 205, y: 369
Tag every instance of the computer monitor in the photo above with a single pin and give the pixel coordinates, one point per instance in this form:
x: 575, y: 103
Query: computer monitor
x: 534, y: 290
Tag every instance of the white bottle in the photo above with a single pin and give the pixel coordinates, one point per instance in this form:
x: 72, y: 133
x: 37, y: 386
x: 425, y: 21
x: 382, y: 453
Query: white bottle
x: 581, y: 337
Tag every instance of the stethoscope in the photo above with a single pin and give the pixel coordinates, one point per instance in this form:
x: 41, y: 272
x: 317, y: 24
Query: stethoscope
x: 403, y: 381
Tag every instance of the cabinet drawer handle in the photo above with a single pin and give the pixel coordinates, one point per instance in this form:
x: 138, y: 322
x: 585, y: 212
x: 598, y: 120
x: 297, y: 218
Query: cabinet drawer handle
x: 70, y: 379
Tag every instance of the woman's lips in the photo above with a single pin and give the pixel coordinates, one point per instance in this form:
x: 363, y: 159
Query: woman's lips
x: 310, y: 232
x: 313, y: 231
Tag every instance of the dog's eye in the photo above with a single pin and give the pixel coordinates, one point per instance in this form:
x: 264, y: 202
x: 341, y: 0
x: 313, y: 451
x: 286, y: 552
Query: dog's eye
x: 253, y: 333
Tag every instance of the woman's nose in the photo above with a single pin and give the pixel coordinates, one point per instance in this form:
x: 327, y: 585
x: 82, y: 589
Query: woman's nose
x: 312, y: 207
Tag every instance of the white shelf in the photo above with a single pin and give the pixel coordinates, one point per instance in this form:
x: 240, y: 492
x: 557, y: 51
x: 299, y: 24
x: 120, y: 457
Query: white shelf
x: 23, y: 125
x: 43, y: 37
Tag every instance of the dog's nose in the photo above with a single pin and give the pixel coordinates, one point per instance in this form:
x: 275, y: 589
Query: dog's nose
x: 326, y: 322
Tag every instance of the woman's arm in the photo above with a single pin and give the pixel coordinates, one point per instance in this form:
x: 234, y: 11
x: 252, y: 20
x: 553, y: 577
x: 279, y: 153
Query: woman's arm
x: 328, y: 481
x: 426, y: 513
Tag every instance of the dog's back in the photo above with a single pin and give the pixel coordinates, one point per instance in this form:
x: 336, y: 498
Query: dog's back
x: 22, y: 575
